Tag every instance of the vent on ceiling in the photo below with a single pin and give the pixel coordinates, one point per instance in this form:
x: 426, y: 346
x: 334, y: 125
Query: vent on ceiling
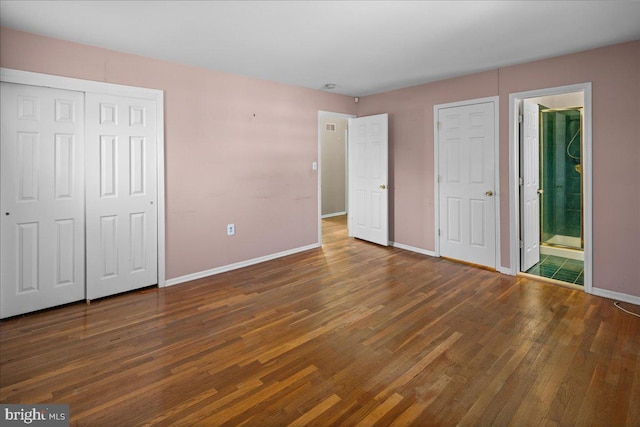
x: 330, y: 127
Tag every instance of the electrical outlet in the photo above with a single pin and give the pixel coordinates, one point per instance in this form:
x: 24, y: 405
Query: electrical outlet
x: 231, y: 229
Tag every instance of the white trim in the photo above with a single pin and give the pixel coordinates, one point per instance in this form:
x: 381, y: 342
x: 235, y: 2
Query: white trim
x: 496, y: 111
x: 334, y: 214
x: 79, y: 85
x: 503, y: 270
x: 346, y: 169
x: 48, y: 80
x: 161, y: 189
x: 412, y: 249
x: 237, y: 265
x: 322, y: 114
x: 631, y: 299
x: 436, y: 186
x: 514, y: 171
x: 588, y: 189
x: 466, y: 102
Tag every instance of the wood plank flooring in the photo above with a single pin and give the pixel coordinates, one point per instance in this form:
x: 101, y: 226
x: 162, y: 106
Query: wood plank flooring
x: 350, y: 334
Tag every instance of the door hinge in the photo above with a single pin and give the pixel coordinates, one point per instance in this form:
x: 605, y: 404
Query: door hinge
x: 439, y: 124
x: 521, y: 244
x: 438, y: 178
x: 520, y: 118
x: 438, y: 231
x: 521, y: 181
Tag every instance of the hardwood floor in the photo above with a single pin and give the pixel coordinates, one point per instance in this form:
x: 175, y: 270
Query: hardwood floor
x: 350, y: 334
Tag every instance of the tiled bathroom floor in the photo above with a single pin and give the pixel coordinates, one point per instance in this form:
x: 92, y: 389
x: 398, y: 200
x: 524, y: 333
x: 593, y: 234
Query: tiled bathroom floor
x: 558, y: 268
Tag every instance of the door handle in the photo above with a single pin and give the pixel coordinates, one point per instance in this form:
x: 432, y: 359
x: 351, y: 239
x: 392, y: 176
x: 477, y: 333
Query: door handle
x: 489, y: 193
x: 383, y: 186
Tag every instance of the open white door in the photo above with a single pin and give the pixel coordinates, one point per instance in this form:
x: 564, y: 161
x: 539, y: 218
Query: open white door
x: 121, y: 196
x: 466, y: 165
x: 42, y: 198
x: 368, y: 179
x: 530, y: 186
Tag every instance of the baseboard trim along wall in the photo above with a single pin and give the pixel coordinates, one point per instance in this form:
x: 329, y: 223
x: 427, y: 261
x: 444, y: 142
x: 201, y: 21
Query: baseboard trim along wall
x: 616, y: 296
x: 412, y: 249
x: 502, y: 270
x: 334, y: 214
x: 199, y: 275
x: 235, y: 266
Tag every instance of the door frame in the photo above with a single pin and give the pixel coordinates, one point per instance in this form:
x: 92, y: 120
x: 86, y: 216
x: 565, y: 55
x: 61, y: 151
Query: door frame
x: 436, y: 171
x: 57, y: 82
x: 514, y: 174
x: 325, y: 114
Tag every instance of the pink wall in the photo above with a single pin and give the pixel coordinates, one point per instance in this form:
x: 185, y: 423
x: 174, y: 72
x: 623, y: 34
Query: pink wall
x: 238, y: 150
x: 615, y: 75
x: 225, y: 165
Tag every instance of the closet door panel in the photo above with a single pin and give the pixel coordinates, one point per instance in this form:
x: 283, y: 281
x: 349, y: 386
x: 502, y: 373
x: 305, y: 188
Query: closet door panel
x: 42, y: 198
x: 121, y: 194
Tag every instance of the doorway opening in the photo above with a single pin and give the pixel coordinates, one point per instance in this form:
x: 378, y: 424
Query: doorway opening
x: 551, y: 167
x: 333, y: 174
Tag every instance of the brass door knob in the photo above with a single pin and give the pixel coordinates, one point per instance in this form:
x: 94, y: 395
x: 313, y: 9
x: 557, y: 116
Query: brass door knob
x: 383, y: 186
x: 489, y: 193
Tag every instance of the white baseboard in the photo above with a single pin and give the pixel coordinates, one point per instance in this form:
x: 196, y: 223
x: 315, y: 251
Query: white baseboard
x: 616, y: 296
x: 505, y: 270
x: 235, y: 266
x: 334, y: 214
x: 412, y: 249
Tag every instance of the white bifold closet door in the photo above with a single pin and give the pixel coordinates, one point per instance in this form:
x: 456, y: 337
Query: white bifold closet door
x: 42, y: 198
x: 121, y: 194
x: 78, y: 200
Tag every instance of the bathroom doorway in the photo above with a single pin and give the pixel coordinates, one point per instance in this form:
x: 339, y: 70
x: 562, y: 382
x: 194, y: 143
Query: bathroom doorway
x: 551, y: 138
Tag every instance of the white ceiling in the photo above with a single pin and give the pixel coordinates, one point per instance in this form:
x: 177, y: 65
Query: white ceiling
x: 363, y: 47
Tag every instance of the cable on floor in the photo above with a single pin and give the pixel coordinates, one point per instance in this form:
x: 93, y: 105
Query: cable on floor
x: 617, y: 304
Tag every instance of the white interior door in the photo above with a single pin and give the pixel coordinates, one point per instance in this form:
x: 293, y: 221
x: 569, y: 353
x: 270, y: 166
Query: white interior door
x: 121, y: 194
x: 42, y: 198
x: 466, y: 165
x: 530, y: 197
x: 368, y: 179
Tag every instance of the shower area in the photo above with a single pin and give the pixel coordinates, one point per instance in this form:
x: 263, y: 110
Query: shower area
x: 561, y: 201
x: 551, y: 138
